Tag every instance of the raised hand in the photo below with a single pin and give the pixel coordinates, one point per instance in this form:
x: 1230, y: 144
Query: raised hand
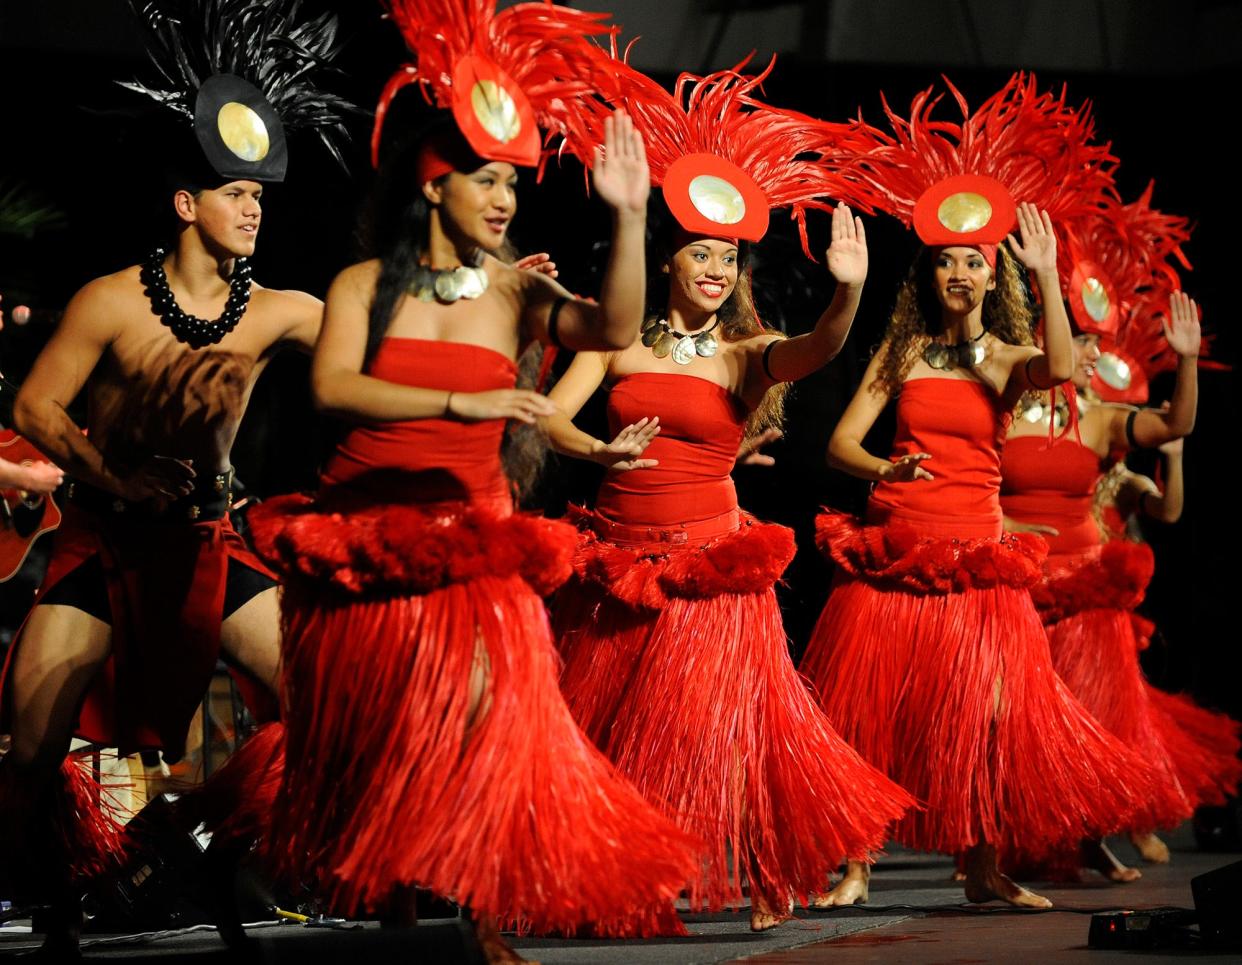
x: 748, y: 453
x: 907, y: 468
x: 622, y: 454
x: 519, y: 404
x: 540, y: 263
x: 1182, y: 328
x: 159, y: 477
x: 1038, y: 248
x: 847, y: 255
x: 619, y: 171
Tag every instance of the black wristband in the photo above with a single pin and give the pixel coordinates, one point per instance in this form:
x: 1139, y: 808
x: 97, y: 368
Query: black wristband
x: 554, y: 317
x: 767, y: 353
x: 1130, y: 429
x: 1030, y: 380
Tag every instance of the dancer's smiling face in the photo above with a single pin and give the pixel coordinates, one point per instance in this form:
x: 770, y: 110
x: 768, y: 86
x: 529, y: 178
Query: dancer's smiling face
x: 961, y: 278
x: 1086, y: 355
x: 702, y: 275
x: 226, y: 217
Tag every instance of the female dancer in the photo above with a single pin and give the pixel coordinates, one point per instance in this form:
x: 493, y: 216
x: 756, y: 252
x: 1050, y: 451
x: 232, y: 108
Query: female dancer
x: 1092, y: 585
x: 676, y: 660
x: 929, y: 654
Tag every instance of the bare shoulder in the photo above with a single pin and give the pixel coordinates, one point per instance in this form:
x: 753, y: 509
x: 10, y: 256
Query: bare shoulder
x: 360, y: 272
x: 284, y: 299
x: 1012, y: 354
x: 105, y: 302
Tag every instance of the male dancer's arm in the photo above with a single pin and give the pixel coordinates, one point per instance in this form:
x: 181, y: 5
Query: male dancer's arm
x: 58, y: 375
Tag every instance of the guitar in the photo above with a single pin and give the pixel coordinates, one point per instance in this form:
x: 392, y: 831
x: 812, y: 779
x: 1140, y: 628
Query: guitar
x: 24, y: 517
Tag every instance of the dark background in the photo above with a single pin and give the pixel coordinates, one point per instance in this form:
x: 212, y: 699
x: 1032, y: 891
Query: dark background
x: 1162, y: 77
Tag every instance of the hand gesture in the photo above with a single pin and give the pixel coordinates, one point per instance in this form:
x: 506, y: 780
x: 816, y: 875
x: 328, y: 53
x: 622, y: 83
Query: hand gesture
x: 541, y: 264
x: 159, y: 477
x: 1013, y: 526
x: 620, y: 173
x: 1038, y: 250
x: 519, y: 404
x: 748, y: 453
x: 40, y: 477
x: 621, y: 455
x: 847, y: 255
x: 907, y: 468
x: 1182, y: 328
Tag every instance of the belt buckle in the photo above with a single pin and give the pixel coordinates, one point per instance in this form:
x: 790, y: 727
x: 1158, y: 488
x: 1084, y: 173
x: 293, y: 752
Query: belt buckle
x: 674, y: 536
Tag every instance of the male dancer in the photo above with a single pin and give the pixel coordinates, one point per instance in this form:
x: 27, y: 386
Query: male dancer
x: 148, y: 583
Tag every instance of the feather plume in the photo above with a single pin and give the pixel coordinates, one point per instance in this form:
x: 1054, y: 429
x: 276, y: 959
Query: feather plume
x: 797, y: 161
x: 1140, y: 248
x: 539, y: 45
x: 266, y: 42
x: 1037, y: 145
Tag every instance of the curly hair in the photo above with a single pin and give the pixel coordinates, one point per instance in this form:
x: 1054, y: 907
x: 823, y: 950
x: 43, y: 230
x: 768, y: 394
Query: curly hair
x: 738, y: 318
x: 916, y: 317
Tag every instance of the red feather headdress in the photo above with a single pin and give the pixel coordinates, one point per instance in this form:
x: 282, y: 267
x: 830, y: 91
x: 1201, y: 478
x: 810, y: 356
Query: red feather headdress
x: 722, y: 157
x: 502, y: 74
x: 1119, y: 267
x: 959, y: 183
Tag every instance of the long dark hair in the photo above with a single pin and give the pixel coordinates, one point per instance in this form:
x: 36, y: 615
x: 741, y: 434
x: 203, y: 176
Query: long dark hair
x: 395, y: 230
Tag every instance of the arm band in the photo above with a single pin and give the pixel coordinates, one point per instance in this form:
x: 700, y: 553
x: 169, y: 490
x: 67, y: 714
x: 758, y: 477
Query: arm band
x: 1030, y: 380
x: 767, y: 354
x: 1130, y: 429
x: 554, y: 318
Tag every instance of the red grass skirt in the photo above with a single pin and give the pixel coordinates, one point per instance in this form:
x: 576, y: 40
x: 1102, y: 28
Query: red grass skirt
x: 907, y: 657
x: 68, y: 829
x: 387, y: 614
x: 1190, y: 752
x: 678, y: 667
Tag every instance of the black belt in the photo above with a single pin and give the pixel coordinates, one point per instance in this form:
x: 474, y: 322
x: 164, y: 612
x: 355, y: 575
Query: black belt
x: 210, y: 499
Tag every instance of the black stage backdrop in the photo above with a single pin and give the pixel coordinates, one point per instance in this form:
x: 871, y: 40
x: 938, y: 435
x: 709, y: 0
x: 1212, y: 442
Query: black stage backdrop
x: 61, y: 131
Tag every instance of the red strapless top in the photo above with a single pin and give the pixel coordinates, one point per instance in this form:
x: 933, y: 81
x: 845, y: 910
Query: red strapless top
x: 1052, y: 487
x: 701, y: 426
x: 962, y: 424
x: 427, y: 460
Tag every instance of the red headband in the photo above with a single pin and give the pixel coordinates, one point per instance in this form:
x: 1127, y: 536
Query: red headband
x: 988, y: 251
x: 444, y: 152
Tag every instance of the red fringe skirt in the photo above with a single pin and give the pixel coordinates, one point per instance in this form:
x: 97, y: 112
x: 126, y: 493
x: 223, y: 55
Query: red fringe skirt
x: 931, y: 660
x: 389, y: 616
x: 1190, y: 752
x: 677, y: 665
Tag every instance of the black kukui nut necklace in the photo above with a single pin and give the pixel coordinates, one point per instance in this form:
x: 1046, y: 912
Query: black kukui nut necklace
x: 194, y: 331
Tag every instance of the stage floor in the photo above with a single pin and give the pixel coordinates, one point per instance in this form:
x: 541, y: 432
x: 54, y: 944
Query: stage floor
x: 915, y: 915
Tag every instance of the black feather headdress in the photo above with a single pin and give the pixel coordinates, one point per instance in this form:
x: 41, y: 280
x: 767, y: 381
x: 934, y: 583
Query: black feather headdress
x: 240, y: 71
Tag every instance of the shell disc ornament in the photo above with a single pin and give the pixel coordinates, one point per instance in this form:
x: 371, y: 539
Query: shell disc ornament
x: 1093, y: 300
x: 493, y: 113
x: 966, y: 209
x: 239, y: 131
x: 714, y: 198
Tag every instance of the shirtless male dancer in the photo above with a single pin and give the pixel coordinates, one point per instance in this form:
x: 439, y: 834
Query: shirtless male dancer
x: 148, y: 583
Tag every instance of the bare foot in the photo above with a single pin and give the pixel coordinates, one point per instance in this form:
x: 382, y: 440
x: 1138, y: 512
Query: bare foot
x: 984, y: 882
x: 1095, y: 855
x: 1150, y: 848
x: 850, y: 890
x: 496, y: 950
x: 958, y: 875
x: 762, y: 916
